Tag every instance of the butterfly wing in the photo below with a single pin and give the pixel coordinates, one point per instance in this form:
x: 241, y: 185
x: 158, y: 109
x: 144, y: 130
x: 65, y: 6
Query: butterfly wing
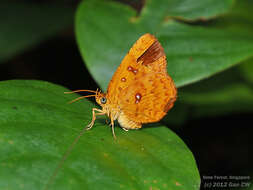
x: 141, y: 86
x: 149, y: 98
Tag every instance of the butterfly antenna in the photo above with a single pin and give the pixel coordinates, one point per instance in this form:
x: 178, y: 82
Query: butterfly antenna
x: 66, y: 154
x: 80, y: 91
x: 79, y: 98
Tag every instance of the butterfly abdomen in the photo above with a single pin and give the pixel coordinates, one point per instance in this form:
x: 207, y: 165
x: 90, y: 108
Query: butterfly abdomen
x: 127, y: 123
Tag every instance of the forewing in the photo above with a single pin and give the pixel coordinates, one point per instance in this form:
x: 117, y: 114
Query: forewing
x: 145, y: 56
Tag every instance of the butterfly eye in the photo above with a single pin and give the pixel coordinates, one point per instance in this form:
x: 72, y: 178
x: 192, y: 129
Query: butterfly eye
x: 103, y: 100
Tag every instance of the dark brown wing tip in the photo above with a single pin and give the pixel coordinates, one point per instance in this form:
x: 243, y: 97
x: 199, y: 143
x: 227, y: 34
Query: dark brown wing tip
x: 169, y: 105
x: 153, y: 53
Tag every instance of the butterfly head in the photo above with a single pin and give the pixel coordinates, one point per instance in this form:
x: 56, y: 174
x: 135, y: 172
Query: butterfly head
x: 101, y: 98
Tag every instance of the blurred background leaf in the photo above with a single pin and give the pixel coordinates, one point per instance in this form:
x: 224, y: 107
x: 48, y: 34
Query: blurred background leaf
x: 223, y: 94
x: 246, y: 70
x: 37, y: 125
x: 24, y: 24
x: 184, y: 9
x: 238, y: 18
x: 193, y: 52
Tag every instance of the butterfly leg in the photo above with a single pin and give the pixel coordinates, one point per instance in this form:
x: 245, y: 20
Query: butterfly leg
x: 112, y: 124
x: 94, y: 114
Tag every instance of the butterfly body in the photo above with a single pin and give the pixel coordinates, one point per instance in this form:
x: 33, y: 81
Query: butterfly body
x: 113, y: 111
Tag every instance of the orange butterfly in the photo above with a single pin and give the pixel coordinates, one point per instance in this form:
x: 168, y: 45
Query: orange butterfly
x: 140, y: 91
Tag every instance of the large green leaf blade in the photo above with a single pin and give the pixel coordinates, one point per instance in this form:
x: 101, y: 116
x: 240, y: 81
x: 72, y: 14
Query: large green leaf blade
x: 37, y: 125
x: 24, y: 25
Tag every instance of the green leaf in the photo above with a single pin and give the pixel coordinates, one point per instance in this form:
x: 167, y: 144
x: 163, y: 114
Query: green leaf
x: 37, y: 125
x: 193, y: 52
x: 186, y: 9
x: 24, y: 25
